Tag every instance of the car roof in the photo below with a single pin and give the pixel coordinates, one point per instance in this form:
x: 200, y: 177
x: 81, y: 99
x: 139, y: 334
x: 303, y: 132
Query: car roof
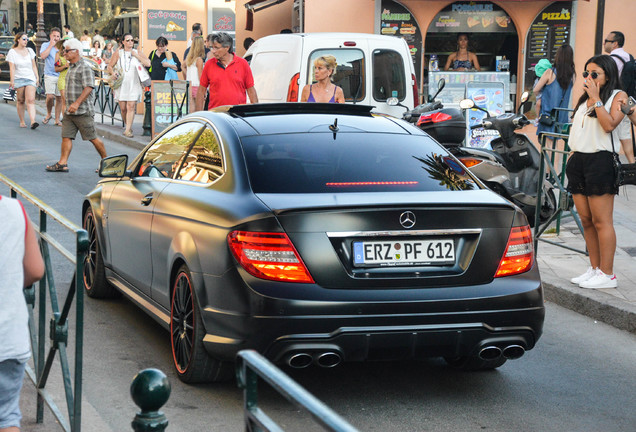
x: 277, y: 118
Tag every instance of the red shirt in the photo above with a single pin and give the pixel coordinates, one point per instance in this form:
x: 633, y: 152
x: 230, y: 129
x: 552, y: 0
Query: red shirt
x: 227, y: 85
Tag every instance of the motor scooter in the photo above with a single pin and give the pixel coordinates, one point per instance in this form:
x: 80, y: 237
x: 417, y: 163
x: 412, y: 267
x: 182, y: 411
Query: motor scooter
x: 520, y: 158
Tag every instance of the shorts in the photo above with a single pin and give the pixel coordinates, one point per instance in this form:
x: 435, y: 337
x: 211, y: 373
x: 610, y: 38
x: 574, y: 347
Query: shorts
x: 591, y: 174
x: 50, y: 85
x: 84, y: 123
x: 624, y: 130
x: 11, y: 377
x: 23, y: 82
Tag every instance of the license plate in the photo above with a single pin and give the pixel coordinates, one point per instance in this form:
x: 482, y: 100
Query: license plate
x: 403, y: 252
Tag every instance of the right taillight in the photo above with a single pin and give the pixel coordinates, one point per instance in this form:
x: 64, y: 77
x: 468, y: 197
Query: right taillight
x: 292, y: 90
x: 519, y: 254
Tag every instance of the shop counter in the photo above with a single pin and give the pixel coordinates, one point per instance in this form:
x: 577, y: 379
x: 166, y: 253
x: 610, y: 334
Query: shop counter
x: 457, y: 84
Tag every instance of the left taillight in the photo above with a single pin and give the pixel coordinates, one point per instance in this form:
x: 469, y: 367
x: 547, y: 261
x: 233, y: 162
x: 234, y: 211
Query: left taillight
x: 519, y: 255
x: 267, y: 255
x: 416, y: 94
x: 292, y: 89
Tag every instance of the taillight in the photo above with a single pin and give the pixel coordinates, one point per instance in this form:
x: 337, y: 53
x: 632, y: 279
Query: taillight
x: 470, y: 162
x: 519, y: 253
x: 416, y: 94
x: 436, y: 117
x: 292, y: 90
x: 268, y: 256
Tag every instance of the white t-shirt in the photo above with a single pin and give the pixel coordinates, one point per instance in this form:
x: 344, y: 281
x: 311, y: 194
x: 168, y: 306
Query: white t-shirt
x: 23, y: 64
x: 587, y: 134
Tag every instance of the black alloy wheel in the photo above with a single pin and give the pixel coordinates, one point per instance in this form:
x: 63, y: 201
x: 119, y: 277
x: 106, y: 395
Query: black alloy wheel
x: 94, y: 277
x: 191, y: 361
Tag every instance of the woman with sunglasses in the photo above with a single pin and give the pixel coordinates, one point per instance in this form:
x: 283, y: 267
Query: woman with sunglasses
x: 129, y: 93
x: 590, y: 168
x: 24, y: 77
x: 556, y: 84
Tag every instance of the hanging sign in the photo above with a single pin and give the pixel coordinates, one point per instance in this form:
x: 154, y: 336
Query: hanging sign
x: 472, y: 17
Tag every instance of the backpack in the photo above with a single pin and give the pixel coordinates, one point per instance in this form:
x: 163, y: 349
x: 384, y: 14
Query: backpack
x: 628, y: 75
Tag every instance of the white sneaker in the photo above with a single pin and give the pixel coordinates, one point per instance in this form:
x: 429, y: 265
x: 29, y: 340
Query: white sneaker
x: 600, y: 280
x: 589, y: 274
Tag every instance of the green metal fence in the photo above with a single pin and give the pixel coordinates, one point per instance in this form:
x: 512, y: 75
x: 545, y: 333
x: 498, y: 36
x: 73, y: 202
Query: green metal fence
x: 250, y: 366
x: 58, y: 333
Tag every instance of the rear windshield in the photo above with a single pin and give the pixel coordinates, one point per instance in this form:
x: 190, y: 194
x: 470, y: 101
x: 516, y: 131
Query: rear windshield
x: 351, y: 162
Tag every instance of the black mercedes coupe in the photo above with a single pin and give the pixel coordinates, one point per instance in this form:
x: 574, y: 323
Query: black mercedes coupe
x: 314, y: 234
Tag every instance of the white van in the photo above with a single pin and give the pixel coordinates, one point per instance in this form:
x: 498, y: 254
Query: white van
x: 371, y: 68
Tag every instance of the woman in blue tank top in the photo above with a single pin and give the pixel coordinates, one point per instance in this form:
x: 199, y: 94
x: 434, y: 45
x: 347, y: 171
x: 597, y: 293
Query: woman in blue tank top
x: 323, y: 90
x: 462, y: 60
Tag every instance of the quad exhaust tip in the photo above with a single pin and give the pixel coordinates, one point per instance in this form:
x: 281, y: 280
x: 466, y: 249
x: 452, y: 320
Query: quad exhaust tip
x: 511, y: 352
x: 299, y: 360
x: 328, y: 359
x: 325, y: 359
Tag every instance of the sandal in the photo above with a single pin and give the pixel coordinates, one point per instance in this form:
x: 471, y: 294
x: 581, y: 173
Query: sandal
x: 128, y: 134
x: 57, y: 167
x: 35, y: 125
x: 46, y: 120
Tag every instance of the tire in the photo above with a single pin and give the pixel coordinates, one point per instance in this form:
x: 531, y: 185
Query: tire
x: 191, y: 361
x: 468, y: 363
x: 94, y: 278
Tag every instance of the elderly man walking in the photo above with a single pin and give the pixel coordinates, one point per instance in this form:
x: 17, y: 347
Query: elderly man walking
x: 80, y: 82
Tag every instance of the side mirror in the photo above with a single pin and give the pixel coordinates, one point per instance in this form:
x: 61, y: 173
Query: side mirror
x: 524, y: 96
x: 466, y: 104
x: 392, y: 101
x: 113, y: 166
x: 441, y: 83
x: 523, y: 101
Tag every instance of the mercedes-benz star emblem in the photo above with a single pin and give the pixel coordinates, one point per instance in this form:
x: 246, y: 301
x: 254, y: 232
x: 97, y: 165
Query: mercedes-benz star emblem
x: 407, y: 219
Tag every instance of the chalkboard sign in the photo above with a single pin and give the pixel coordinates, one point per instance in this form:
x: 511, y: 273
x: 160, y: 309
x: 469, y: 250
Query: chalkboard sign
x: 169, y: 103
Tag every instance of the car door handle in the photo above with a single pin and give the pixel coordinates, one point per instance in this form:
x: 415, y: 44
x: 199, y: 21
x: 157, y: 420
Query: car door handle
x: 147, y: 199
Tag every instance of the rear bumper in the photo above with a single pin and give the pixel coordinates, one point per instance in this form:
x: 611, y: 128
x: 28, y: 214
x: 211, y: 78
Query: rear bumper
x: 359, y: 330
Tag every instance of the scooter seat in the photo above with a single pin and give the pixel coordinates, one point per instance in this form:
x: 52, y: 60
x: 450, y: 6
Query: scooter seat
x: 525, y: 199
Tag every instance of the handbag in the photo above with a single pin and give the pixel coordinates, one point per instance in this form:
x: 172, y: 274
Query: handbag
x: 546, y: 119
x: 117, y: 78
x: 144, y: 76
x: 9, y: 95
x: 623, y: 173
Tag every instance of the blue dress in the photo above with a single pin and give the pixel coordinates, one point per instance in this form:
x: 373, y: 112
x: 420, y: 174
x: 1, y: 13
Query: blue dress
x: 554, y: 97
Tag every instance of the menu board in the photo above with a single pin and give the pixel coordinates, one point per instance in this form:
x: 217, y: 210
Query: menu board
x: 168, y: 103
x: 472, y: 17
x: 550, y: 30
x: 399, y: 21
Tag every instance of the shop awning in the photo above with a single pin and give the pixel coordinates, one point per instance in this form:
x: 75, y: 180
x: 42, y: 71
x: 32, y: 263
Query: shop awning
x: 254, y: 6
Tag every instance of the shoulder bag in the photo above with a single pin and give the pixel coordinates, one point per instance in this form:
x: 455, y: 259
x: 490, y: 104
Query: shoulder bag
x: 547, y: 119
x: 624, y: 173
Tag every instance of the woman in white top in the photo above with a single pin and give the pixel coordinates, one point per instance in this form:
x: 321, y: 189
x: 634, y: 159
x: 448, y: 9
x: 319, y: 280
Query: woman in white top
x: 24, y: 77
x: 129, y: 93
x: 193, y: 66
x: 590, y: 168
x: 96, y: 54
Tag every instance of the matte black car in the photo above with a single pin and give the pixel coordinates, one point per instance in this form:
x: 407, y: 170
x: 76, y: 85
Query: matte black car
x: 6, y: 43
x: 313, y: 233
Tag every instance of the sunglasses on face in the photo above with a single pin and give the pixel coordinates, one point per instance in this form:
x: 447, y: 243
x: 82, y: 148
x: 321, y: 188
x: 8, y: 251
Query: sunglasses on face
x: 23, y: 38
x: 69, y: 50
x: 610, y: 41
x: 594, y: 75
x: 128, y: 40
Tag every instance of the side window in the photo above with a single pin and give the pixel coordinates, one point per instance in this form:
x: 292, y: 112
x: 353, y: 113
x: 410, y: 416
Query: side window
x: 388, y: 75
x: 349, y: 73
x: 204, y: 163
x: 166, y: 155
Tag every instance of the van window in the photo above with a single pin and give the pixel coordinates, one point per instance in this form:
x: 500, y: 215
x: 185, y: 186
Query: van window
x: 388, y: 75
x: 349, y: 73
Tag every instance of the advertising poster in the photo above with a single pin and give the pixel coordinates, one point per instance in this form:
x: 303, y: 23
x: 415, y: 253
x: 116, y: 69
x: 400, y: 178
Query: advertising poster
x: 223, y: 20
x: 396, y: 20
x: 167, y: 23
x: 550, y: 30
x: 472, y: 17
x: 166, y: 108
x: 489, y: 96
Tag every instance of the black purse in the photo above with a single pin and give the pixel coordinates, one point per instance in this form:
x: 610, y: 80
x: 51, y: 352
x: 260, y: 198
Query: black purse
x: 546, y: 119
x: 624, y: 173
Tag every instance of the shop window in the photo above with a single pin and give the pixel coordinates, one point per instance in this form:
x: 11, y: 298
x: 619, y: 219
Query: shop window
x: 349, y: 74
x: 388, y: 75
x: 204, y: 163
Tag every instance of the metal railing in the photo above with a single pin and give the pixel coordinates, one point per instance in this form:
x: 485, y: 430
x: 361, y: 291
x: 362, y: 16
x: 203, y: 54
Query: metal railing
x: 58, y: 318
x: 105, y: 104
x: 552, y: 155
x: 250, y: 366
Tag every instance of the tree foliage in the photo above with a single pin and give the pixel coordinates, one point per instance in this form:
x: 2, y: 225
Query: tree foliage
x: 91, y: 14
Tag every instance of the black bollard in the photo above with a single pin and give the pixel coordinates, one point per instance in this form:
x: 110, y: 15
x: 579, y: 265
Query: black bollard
x: 147, y: 126
x: 150, y: 390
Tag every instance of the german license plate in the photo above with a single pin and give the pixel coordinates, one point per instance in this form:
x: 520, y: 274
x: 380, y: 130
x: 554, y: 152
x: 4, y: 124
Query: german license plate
x: 403, y: 252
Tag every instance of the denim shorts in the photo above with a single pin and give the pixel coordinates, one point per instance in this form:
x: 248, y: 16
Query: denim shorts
x: 591, y: 174
x: 23, y: 82
x: 11, y: 376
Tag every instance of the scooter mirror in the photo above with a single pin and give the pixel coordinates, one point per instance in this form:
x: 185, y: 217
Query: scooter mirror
x: 524, y: 96
x: 466, y: 104
x: 392, y: 101
x: 441, y: 83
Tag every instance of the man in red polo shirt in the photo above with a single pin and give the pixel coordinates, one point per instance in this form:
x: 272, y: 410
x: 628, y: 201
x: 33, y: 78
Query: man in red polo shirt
x: 228, y: 76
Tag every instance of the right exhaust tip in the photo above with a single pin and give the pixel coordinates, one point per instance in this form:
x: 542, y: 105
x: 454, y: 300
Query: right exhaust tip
x: 329, y: 359
x: 513, y: 352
